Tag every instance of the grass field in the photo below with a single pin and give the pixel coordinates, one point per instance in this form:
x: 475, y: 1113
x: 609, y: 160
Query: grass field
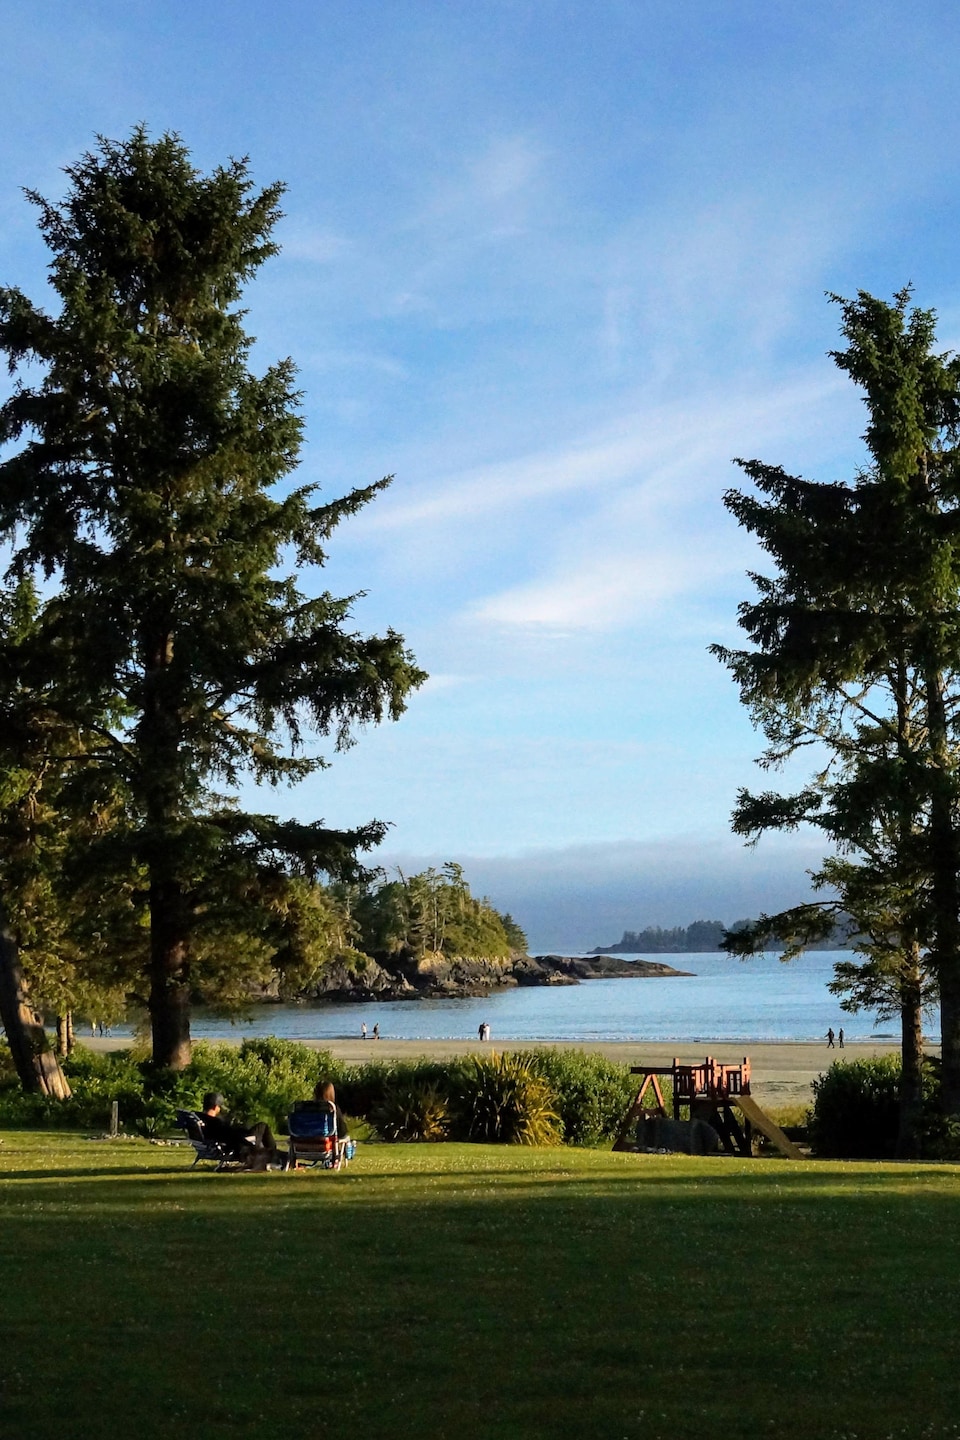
x: 461, y: 1291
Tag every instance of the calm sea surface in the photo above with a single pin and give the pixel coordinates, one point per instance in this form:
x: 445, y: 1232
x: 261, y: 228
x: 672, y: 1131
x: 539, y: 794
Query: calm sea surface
x: 727, y: 999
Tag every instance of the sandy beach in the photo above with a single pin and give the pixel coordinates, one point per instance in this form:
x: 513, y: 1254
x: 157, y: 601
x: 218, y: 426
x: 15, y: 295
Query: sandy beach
x: 781, y: 1071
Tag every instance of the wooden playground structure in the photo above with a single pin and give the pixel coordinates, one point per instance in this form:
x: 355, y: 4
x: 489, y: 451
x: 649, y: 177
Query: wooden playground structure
x: 714, y: 1092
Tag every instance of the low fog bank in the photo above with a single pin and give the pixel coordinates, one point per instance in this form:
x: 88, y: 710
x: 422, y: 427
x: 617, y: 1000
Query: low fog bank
x: 574, y: 898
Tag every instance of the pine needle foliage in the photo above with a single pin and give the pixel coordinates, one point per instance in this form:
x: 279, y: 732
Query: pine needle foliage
x: 147, y: 479
x: 854, y: 658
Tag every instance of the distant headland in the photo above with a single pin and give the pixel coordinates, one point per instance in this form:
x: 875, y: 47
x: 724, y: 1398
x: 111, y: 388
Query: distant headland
x: 700, y: 938
x: 436, y: 976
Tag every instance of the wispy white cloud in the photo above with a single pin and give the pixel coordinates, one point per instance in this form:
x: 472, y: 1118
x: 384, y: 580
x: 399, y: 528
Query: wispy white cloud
x: 610, y: 589
x: 366, y: 361
x: 466, y: 234
x: 659, y: 436
x: 439, y: 683
x: 554, y: 277
x: 490, y: 193
x: 313, y: 245
x: 605, y: 531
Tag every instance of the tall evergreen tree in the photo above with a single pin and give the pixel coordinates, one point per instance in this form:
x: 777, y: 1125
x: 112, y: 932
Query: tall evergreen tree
x: 857, y: 645
x: 147, y: 485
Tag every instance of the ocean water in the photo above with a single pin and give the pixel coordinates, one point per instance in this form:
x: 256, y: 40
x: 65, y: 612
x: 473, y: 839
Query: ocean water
x: 724, y: 1000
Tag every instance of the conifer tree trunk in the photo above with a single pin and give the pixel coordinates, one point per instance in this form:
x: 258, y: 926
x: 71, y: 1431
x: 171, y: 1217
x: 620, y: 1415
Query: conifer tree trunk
x: 910, y: 978
x: 36, y: 1064
x: 911, y: 1058
x: 950, y: 1037
x: 159, y: 741
x: 945, y: 894
x: 169, y: 976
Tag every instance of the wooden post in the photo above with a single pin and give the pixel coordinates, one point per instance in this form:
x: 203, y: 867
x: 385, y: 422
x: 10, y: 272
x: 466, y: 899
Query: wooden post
x: 114, y: 1118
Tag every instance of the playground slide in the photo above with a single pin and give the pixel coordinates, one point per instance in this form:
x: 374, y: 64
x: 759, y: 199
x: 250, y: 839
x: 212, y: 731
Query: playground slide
x: 752, y: 1112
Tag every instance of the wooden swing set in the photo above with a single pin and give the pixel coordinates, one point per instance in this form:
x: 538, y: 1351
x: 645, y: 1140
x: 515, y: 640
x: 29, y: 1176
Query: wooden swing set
x: 714, y: 1092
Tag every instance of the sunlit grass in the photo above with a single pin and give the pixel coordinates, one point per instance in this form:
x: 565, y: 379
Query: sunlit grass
x: 454, y: 1290
x: 796, y: 1114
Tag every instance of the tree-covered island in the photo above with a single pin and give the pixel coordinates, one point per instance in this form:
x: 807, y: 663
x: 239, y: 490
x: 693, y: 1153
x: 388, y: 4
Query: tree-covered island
x: 703, y: 937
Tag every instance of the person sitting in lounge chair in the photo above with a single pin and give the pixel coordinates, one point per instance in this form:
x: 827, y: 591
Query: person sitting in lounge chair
x: 318, y: 1130
x: 251, y: 1142
x: 325, y: 1094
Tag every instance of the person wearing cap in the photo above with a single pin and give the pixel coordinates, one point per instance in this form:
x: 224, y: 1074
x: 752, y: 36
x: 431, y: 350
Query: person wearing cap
x: 255, y: 1141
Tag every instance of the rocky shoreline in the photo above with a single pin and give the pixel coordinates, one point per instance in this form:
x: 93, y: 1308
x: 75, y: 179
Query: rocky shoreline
x: 435, y: 976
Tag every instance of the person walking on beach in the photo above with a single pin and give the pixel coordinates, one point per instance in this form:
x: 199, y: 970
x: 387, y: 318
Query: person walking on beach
x: 481, y: 1031
x: 363, y: 1031
x: 840, y: 1037
x: 376, y: 1031
x: 830, y: 1044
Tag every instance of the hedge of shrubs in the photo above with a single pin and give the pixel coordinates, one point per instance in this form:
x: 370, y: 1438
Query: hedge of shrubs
x: 262, y: 1078
x: 531, y: 1097
x: 855, y: 1113
x: 538, y: 1096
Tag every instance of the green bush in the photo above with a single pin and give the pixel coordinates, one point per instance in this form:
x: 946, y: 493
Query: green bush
x: 590, y: 1093
x: 89, y: 1106
x: 96, y: 1081
x: 365, y: 1089
x: 855, y: 1109
x: 580, y: 1098
x: 939, y: 1133
x: 855, y: 1112
x: 413, y: 1112
x: 260, y: 1080
x: 8, y: 1071
x: 499, y: 1100
x: 91, y: 1072
x: 27, y: 1112
x: 940, y: 1138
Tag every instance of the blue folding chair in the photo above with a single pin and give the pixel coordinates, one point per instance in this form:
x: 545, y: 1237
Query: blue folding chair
x: 312, y: 1128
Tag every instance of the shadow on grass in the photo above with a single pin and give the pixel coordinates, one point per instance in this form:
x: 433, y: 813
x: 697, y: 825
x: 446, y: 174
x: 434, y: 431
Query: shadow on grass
x: 489, y: 1167
x: 517, y: 1295
x: 610, y: 1298
x: 96, y: 1172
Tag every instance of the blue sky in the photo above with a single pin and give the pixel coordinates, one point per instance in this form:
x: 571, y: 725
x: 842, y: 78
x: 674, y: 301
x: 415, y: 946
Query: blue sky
x: 552, y: 265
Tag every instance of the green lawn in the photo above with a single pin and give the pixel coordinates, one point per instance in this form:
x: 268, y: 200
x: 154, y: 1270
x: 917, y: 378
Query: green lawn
x: 465, y: 1291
